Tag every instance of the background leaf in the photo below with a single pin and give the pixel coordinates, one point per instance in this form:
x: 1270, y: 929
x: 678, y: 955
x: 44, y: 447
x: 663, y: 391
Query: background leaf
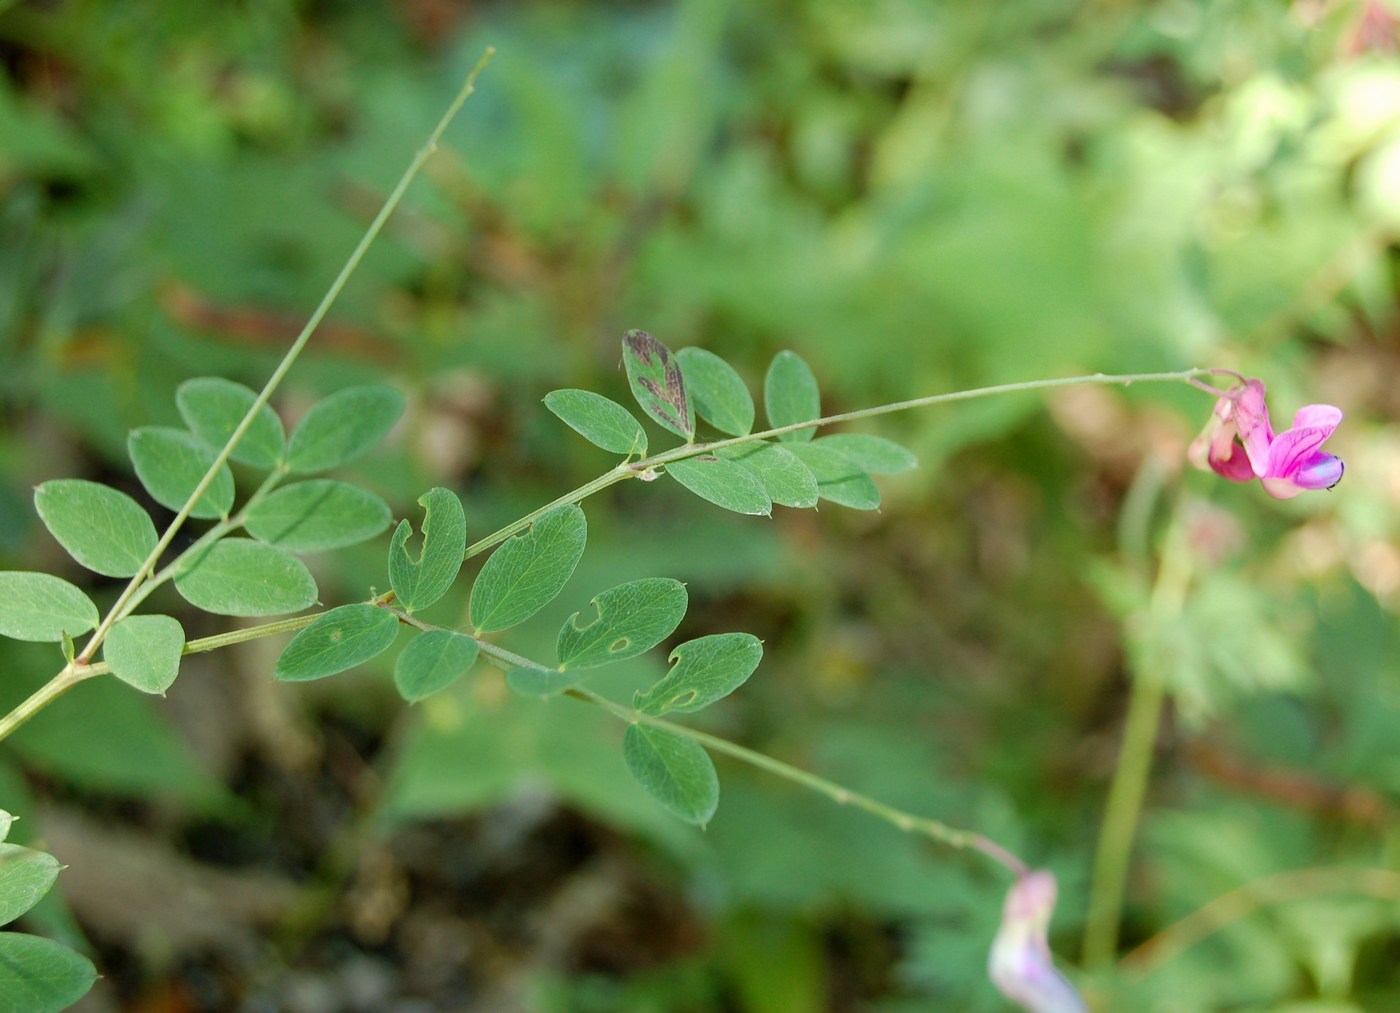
x: 341, y: 427
x: 170, y: 463
x: 601, y: 421
x: 341, y: 639
x: 657, y: 384
x: 317, y: 515
x: 433, y: 660
x: 839, y: 479
x: 241, y: 577
x: 707, y: 669
x: 144, y: 651
x: 102, y: 528
x: 213, y: 407
x: 420, y: 582
x: 790, y: 395
x: 785, y: 479
x: 717, y: 391
x: 25, y: 876
x: 723, y: 482
x: 39, y: 975
x: 674, y: 770
x: 528, y: 570
x: 873, y: 454
x: 39, y: 606
x: 632, y: 618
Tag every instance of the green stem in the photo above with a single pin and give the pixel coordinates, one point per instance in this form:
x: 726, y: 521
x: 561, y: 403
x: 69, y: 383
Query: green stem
x: 1123, y: 810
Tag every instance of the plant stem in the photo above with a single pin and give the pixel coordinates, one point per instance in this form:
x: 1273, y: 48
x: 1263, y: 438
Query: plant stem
x: 1123, y: 809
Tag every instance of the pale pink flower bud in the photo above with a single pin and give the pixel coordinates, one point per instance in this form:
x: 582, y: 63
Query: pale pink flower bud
x: 1020, y: 965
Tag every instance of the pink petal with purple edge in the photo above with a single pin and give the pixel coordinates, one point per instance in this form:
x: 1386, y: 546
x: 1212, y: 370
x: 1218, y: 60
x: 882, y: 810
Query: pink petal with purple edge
x: 1290, y: 450
x: 1321, y: 471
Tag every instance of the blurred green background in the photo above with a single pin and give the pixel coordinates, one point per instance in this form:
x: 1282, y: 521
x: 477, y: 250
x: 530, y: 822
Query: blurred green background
x: 917, y: 197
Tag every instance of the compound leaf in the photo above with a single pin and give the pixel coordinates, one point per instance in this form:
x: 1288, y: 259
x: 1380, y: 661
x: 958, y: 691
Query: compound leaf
x: 632, y: 618
x: 674, y: 770
x: 341, y: 639
x: 529, y: 570
x: 102, y: 528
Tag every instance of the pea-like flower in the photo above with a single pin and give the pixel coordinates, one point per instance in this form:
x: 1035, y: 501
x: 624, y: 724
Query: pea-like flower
x: 1020, y: 965
x: 1239, y: 443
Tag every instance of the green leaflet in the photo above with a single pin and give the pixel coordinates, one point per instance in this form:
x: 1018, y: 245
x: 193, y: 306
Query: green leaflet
x: 341, y: 427
x: 339, y: 640
x: 839, y: 479
x: 707, y: 669
x: 41, y: 976
x: 432, y: 661
x: 171, y: 462
x: 674, y: 770
x: 718, y: 392
x: 600, y: 421
x: 657, y: 384
x: 42, y: 607
x: 418, y: 583
x: 726, y: 483
x: 790, y: 395
x: 102, y: 528
x: 632, y: 618
x: 144, y: 651
x: 785, y: 479
x: 529, y: 570
x: 241, y: 577
x: 25, y: 876
x: 213, y: 408
x: 317, y: 515
x: 874, y: 454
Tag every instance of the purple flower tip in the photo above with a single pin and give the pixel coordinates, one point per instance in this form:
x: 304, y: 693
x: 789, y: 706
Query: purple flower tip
x: 1239, y: 443
x: 1020, y: 965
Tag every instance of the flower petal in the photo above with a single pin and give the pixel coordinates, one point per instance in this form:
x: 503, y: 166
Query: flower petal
x: 1251, y: 417
x: 1318, y: 416
x: 1290, y: 450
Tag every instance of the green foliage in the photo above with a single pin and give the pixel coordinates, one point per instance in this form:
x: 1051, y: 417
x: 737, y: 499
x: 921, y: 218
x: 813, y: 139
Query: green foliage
x: 171, y: 463
x: 874, y: 454
x: 340, y: 639
x: 317, y: 515
x: 38, y: 606
x: 706, y: 669
x: 790, y: 395
x: 41, y: 976
x: 724, y: 482
x: 213, y: 408
x: 600, y: 421
x: 241, y: 577
x: 657, y: 383
x: 418, y: 583
x: 529, y: 570
x: 25, y: 876
x: 839, y: 479
x: 339, y: 428
x: 432, y: 661
x: 144, y: 651
x: 718, y: 391
x: 103, y: 529
x: 674, y: 770
x: 785, y: 479
x: 632, y: 618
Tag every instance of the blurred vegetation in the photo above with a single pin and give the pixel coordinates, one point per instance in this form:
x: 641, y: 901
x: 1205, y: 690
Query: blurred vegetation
x: 917, y: 197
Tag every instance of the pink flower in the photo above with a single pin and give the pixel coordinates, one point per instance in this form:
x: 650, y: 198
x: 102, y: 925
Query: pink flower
x: 1240, y: 444
x: 1020, y: 965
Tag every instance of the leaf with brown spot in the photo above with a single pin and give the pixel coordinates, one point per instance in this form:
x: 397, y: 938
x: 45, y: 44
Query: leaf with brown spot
x: 655, y: 378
